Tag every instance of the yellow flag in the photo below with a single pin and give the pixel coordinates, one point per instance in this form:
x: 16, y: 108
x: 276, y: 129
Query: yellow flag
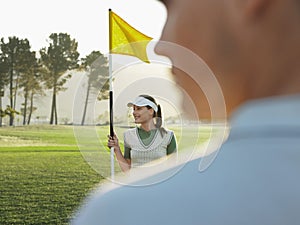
x: 126, y: 40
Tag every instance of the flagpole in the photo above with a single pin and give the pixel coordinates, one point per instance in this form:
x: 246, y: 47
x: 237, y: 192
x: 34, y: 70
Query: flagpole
x: 111, y: 129
x: 126, y: 35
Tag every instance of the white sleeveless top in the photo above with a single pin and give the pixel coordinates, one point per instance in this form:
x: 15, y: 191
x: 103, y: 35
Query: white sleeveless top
x: 142, y: 154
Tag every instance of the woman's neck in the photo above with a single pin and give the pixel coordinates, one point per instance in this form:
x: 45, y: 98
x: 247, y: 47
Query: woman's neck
x: 148, y: 126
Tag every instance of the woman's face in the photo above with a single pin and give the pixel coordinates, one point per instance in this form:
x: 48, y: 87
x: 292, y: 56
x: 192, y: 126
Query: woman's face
x: 142, y: 114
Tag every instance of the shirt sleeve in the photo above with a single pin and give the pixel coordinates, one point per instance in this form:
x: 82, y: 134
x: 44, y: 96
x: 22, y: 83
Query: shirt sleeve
x: 127, y: 152
x: 172, y: 147
x: 127, y: 148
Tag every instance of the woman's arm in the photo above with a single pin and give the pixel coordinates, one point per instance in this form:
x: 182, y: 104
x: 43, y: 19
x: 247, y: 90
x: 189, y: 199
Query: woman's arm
x: 125, y: 164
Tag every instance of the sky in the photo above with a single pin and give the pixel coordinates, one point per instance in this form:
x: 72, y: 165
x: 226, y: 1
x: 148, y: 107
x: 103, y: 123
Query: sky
x: 87, y: 22
x: 84, y: 20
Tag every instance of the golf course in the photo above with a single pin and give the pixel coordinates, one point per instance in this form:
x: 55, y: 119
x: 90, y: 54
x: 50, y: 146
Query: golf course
x: 43, y: 175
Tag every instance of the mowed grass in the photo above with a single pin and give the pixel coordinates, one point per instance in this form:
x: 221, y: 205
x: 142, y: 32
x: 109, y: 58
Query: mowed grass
x: 37, y: 138
x: 43, y: 175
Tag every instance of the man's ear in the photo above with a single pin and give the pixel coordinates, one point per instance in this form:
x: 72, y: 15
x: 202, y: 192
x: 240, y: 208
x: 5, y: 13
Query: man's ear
x: 255, y: 8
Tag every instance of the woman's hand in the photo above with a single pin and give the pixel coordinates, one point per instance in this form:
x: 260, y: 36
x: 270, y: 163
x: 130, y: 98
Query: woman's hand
x: 125, y: 164
x: 113, y: 142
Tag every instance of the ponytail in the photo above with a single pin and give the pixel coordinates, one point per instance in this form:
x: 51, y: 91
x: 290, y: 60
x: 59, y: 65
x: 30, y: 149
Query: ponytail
x: 158, y: 118
x: 157, y: 115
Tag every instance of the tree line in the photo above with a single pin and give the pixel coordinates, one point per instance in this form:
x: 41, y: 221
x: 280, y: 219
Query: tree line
x: 28, y: 73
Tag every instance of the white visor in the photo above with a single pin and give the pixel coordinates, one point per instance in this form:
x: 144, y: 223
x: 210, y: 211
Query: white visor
x: 141, y: 101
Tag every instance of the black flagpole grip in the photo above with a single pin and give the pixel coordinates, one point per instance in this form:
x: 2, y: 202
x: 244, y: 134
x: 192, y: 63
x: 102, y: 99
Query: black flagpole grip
x: 111, y: 127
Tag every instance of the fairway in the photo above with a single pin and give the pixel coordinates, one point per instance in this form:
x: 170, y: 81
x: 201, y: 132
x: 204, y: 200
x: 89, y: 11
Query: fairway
x: 43, y: 175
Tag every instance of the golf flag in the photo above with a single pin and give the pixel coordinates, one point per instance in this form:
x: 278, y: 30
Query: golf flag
x: 126, y: 40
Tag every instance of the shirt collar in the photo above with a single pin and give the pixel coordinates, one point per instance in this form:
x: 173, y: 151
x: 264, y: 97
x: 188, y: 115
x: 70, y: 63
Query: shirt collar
x: 279, y: 111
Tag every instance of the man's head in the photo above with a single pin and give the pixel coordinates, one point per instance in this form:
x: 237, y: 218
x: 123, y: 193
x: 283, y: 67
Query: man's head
x: 250, y: 45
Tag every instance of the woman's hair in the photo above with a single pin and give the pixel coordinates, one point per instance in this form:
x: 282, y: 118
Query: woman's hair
x: 157, y: 115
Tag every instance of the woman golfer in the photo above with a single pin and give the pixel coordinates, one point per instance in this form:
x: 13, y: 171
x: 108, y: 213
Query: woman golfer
x: 147, y: 142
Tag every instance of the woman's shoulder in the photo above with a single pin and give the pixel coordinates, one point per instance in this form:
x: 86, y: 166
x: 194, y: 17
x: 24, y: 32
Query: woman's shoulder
x: 171, y: 132
x: 130, y: 130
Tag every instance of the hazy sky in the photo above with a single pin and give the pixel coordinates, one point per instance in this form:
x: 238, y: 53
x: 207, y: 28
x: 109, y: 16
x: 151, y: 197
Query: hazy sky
x: 87, y: 22
x: 84, y: 20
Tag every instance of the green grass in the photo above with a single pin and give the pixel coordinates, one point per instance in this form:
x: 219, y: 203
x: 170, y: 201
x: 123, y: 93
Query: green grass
x: 43, y: 183
x: 43, y: 175
x: 37, y: 138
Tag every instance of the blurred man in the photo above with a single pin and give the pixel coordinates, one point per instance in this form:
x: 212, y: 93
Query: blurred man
x: 253, y: 48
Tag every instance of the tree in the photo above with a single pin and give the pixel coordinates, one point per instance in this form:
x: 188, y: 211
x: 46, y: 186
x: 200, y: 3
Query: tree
x: 31, y: 82
x: 59, y: 57
x: 15, y: 52
x: 3, y: 82
x: 96, y: 68
x: 104, y: 118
